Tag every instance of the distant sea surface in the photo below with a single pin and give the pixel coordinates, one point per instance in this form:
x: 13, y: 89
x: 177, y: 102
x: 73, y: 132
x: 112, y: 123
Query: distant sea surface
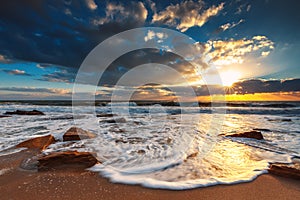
x: 169, y: 146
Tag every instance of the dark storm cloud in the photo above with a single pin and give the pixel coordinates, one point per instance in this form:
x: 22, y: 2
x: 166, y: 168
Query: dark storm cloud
x: 266, y: 86
x: 135, y: 58
x: 206, y: 90
x: 61, y: 32
x: 251, y: 87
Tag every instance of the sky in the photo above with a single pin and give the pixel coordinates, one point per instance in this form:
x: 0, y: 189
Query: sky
x: 252, y: 45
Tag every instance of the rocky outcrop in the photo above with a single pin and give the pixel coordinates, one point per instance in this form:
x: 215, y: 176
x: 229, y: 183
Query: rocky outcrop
x: 66, y: 160
x: 75, y: 133
x: 40, y: 143
x: 251, y: 134
x: 286, y: 170
x: 3, y: 116
x: 24, y: 112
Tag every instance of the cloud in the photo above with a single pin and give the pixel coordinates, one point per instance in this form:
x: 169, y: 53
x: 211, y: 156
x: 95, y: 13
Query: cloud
x: 248, y: 8
x: 44, y: 65
x: 188, y: 69
x: 16, y: 72
x: 226, y: 52
x: 133, y: 11
x: 37, y: 90
x: 265, y: 53
x: 153, y: 92
x: 186, y: 14
x: 47, y: 34
x: 91, y: 4
x: 243, y: 7
x: 61, y: 75
x: 152, y: 5
x: 152, y: 35
x: 266, y: 86
x: 3, y: 59
x: 227, y: 26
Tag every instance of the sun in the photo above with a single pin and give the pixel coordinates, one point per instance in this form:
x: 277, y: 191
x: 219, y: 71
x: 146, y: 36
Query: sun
x: 229, y: 77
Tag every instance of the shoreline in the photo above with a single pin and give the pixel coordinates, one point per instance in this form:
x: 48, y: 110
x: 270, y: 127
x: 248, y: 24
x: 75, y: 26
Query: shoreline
x: 17, y: 183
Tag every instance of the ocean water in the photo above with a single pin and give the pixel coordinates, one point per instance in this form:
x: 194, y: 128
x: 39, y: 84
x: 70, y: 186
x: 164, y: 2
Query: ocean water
x: 168, y: 147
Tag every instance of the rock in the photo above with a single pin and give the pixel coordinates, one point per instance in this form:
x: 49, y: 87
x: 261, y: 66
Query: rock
x: 24, y: 112
x: 66, y: 160
x: 38, y: 143
x: 280, y: 120
x: 120, y: 141
x: 29, y: 163
x: 296, y: 160
x: 106, y: 115
x: 262, y: 129
x: 286, y: 120
x: 75, y: 133
x: 62, y: 118
x: 141, y: 151
x: 131, y: 140
x: 192, y: 155
x: 286, y: 170
x: 3, y: 116
x: 251, y: 134
x: 113, y: 121
x: 151, y: 103
x: 169, y: 140
x: 138, y: 123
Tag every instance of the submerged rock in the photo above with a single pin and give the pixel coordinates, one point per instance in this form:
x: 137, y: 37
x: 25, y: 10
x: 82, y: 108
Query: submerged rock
x: 75, y: 133
x: 286, y: 170
x: 114, y: 121
x: 280, y: 120
x: 66, y: 160
x: 24, y: 112
x: 105, y: 115
x: 251, y: 134
x: 38, y: 142
x: 262, y: 129
x: 29, y: 163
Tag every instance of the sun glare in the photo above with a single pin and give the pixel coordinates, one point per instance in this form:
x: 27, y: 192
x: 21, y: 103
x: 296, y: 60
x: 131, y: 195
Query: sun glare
x: 229, y: 77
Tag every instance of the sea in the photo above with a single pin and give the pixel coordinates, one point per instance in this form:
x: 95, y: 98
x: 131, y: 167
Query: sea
x: 164, y: 146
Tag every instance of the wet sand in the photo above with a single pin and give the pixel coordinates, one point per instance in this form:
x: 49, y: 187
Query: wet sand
x: 17, y: 183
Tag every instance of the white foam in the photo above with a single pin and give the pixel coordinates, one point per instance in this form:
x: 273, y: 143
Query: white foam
x: 152, y: 148
x: 117, y: 177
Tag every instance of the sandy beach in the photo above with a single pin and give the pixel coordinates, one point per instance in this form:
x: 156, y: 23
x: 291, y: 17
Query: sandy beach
x: 17, y: 183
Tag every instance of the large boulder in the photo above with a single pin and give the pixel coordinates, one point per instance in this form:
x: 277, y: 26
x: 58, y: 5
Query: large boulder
x: 40, y: 143
x: 286, y: 170
x: 66, y: 160
x: 24, y: 112
x: 75, y: 133
x: 250, y: 134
